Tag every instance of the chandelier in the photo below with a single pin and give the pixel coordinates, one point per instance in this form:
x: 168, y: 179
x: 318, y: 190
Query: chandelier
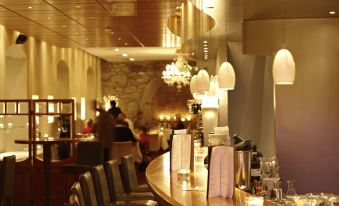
x: 177, y: 73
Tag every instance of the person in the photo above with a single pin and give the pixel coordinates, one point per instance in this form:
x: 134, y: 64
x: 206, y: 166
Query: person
x: 105, y: 131
x: 89, y: 127
x: 129, y: 124
x: 65, y: 132
x: 139, y: 121
x: 144, y: 140
x: 179, y: 123
x: 114, y: 110
x: 122, y: 132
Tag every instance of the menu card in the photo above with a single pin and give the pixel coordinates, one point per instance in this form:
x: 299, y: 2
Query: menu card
x: 221, y: 172
x: 181, y: 152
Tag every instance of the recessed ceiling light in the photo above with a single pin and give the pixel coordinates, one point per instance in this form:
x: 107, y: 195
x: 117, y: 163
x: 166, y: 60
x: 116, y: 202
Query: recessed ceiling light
x: 126, y: 43
x: 29, y: 7
x: 332, y: 12
x: 49, y: 18
x: 205, y: 42
x: 63, y: 26
x: 124, y: 55
x: 92, y: 17
x: 77, y: 6
x: 116, y: 49
x: 87, y: 39
x: 112, y: 32
x: 119, y: 38
x: 131, y: 59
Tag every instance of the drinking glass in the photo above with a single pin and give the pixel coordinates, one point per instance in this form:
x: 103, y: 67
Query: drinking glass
x: 290, y: 192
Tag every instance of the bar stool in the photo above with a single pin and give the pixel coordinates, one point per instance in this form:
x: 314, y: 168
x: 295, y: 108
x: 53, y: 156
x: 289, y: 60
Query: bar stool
x: 120, y: 149
x: 73, y: 200
x: 7, y: 176
x: 86, y: 183
x: 76, y: 190
x: 130, y: 176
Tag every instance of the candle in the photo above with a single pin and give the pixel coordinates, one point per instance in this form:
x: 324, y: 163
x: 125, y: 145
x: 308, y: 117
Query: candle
x: 254, y: 201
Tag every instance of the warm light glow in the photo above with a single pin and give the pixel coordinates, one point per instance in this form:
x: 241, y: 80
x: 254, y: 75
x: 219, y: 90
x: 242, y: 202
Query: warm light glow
x: 124, y: 55
x: 254, y: 201
x: 183, y: 119
x: 116, y: 49
x: 210, y: 102
x: 161, y: 117
x: 83, y: 108
x: 168, y: 118
x: 332, y: 12
x: 209, y: 122
x: 75, y: 107
x: 283, y: 68
x: 50, y: 110
x: 189, y: 118
x: 169, y: 40
x: 36, y: 108
x: 226, y: 76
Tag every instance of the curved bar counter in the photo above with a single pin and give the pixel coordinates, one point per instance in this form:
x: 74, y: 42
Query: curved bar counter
x: 169, y: 191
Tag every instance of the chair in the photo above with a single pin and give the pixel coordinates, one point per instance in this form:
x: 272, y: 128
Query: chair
x: 76, y: 190
x: 100, y: 185
x: 88, y: 190
x: 130, y: 176
x: 89, y: 154
x: 74, y: 201
x: 120, y: 149
x: 116, y: 188
x: 7, y: 176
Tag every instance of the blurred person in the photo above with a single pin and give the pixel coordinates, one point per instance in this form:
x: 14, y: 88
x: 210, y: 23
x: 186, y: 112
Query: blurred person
x: 139, y: 121
x: 122, y: 131
x: 105, y: 131
x: 89, y: 127
x: 179, y: 124
x: 114, y: 110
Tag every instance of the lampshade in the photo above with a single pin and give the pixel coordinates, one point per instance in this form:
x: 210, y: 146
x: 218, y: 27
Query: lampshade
x: 193, y: 85
x: 226, y: 76
x: 203, y: 81
x: 283, y: 67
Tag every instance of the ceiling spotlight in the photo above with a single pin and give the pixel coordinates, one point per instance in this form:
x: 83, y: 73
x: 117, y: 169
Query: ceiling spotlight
x: 124, y: 55
x: 77, y: 6
x: 126, y: 43
x: 29, y: 7
x: 63, y: 26
x: 131, y: 59
x: 49, y: 18
x: 332, y: 12
x: 112, y: 32
x: 119, y: 38
x: 116, y: 49
x: 205, y: 42
x: 92, y: 17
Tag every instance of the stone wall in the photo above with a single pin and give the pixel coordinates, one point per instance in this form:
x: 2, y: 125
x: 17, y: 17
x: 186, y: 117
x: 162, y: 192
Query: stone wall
x: 137, y: 86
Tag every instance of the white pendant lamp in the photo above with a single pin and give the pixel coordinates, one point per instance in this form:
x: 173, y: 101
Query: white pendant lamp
x: 193, y: 85
x: 203, y: 81
x: 214, y: 86
x: 283, y: 68
x: 226, y: 76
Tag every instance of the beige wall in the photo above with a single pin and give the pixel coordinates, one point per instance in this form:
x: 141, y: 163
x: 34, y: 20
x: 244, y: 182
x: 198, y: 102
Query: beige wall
x: 307, y: 113
x: 41, y: 69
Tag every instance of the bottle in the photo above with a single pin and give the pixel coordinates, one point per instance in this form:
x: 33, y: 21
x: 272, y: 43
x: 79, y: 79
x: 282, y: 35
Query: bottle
x: 255, y: 165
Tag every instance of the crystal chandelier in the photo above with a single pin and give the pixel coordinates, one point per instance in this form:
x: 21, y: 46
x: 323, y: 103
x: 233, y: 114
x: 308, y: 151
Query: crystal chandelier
x: 178, y: 73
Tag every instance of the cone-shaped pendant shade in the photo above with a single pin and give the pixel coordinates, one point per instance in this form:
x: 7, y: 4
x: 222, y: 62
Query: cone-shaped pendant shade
x: 283, y: 67
x: 226, y: 76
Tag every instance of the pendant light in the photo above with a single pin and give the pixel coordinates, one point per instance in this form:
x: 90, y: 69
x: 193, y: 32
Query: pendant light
x: 283, y: 64
x: 226, y: 76
x: 203, y: 81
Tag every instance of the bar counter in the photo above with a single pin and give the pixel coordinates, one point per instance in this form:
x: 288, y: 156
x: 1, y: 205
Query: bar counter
x: 169, y: 191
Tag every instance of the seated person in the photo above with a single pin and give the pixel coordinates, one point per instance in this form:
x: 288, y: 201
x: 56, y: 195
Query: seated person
x: 89, y: 127
x: 144, y: 140
x: 121, y: 131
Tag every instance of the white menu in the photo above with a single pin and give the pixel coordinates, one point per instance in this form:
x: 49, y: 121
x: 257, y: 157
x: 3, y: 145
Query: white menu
x: 221, y: 172
x: 181, y: 152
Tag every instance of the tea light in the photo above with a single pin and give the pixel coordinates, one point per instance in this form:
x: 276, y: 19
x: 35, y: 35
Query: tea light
x: 254, y: 201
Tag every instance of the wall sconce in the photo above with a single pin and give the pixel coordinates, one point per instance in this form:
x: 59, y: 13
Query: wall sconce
x: 283, y: 68
x: 83, y: 108
x: 50, y: 118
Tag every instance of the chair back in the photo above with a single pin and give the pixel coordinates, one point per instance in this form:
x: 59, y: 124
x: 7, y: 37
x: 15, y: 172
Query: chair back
x: 7, y: 176
x: 88, y: 190
x: 114, y: 181
x: 90, y: 153
x: 129, y: 173
x: 77, y: 191
x: 74, y: 201
x: 120, y: 149
x: 101, y: 187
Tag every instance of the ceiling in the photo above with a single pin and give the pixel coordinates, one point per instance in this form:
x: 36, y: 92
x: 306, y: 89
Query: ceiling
x: 92, y: 23
x: 139, y: 27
